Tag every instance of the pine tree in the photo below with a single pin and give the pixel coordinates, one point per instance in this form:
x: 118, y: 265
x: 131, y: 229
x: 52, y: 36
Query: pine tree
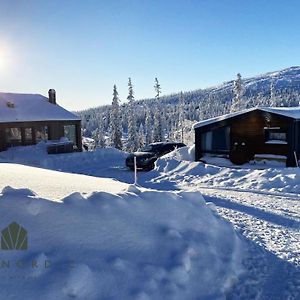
x: 141, y: 135
x: 238, y: 103
x: 132, y: 141
x: 272, y: 94
x: 158, y: 127
x: 148, y: 127
x: 115, y: 122
x: 274, y: 100
x: 181, y: 115
x: 98, y: 136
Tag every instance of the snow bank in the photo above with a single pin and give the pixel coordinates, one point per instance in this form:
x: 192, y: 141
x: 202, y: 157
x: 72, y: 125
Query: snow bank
x: 183, y: 153
x: 88, y: 163
x: 177, y: 167
x: 139, y: 244
x: 197, y: 174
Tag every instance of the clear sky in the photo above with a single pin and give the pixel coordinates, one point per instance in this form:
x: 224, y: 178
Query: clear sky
x: 82, y: 48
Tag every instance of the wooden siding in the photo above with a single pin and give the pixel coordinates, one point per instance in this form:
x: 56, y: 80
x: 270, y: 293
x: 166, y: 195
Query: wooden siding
x: 250, y: 130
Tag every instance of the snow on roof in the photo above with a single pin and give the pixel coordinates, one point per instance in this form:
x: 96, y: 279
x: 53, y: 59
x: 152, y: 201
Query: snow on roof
x: 220, y: 118
x: 31, y: 107
x: 291, y: 112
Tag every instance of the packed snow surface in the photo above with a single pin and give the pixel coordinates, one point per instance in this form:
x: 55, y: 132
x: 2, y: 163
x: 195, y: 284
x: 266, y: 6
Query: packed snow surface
x: 52, y: 184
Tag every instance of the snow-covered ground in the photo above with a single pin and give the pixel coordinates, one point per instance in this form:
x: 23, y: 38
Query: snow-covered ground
x: 169, y: 242
x: 138, y: 244
x: 54, y: 185
x: 263, y: 205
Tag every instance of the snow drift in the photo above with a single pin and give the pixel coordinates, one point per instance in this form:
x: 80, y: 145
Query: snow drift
x: 179, y: 166
x: 139, y: 244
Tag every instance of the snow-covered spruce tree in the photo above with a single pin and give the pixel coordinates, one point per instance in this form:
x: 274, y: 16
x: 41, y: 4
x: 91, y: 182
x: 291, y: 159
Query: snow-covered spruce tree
x: 237, y: 103
x: 293, y: 99
x: 275, y: 101
x: 148, y: 126
x: 271, y: 102
x: 115, y: 122
x: 141, y: 138
x: 158, y: 128
x: 181, y: 116
x: 99, y: 138
x: 132, y: 140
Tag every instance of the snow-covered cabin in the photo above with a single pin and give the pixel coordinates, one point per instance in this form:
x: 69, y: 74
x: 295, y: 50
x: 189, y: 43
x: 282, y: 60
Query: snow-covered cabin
x: 263, y: 132
x: 27, y: 119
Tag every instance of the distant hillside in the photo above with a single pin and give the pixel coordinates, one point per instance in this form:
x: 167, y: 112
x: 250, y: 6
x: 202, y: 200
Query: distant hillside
x: 284, y: 81
x: 205, y: 103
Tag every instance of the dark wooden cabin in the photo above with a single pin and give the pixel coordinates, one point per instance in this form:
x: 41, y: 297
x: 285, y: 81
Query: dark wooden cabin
x: 245, y: 135
x: 26, y: 119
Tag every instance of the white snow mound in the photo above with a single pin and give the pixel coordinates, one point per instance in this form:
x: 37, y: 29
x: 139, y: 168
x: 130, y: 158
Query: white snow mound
x: 139, y: 244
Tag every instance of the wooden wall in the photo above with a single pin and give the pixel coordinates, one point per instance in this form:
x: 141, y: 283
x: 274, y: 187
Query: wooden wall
x: 250, y: 130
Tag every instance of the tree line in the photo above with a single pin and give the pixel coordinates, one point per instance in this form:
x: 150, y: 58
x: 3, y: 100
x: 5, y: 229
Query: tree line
x: 131, y: 125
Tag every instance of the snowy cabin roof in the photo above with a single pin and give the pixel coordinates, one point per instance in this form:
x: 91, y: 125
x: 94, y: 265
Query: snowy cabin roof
x: 31, y: 107
x: 290, y: 112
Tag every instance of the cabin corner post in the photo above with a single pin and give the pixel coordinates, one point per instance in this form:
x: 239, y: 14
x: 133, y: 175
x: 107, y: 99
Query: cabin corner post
x: 2, y: 139
x: 198, y: 152
x: 297, y: 140
x: 290, y: 162
x: 296, y: 137
x: 78, y: 135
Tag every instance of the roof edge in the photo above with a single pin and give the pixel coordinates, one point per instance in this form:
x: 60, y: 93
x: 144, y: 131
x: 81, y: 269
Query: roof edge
x: 272, y: 110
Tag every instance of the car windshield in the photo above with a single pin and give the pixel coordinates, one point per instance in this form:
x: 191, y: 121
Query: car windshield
x: 147, y: 148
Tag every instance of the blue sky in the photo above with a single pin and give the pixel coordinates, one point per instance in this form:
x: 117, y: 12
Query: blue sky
x: 82, y: 48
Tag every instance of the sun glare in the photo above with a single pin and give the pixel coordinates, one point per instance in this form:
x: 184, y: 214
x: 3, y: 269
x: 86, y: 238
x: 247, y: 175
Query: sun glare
x: 1, y: 61
x: 4, y: 57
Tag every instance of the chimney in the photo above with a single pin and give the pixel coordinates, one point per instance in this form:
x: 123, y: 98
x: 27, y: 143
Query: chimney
x: 52, y: 96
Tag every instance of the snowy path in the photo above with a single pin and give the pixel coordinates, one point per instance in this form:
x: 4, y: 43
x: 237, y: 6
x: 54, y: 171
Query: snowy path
x: 271, y: 221
x: 272, y: 226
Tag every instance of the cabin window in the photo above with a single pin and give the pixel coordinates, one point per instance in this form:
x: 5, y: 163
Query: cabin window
x: 13, y: 136
x: 70, y: 133
x: 206, y: 141
x: 275, y: 136
x: 41, y: 133
x: 28, y: 134
x: 217, y: 140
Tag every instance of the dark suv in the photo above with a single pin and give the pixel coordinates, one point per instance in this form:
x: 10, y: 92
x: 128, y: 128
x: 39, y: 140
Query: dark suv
x: 147, y: 156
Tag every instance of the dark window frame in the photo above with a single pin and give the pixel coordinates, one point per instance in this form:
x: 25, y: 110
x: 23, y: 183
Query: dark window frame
x: 41, y: 133
x: 70, y: 133
x: 10, y: 136
x: 269, y: 131
x: 225, y: 148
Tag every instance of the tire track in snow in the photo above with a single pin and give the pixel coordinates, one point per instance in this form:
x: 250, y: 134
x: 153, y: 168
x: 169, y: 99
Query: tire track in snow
x: 273, y: 224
